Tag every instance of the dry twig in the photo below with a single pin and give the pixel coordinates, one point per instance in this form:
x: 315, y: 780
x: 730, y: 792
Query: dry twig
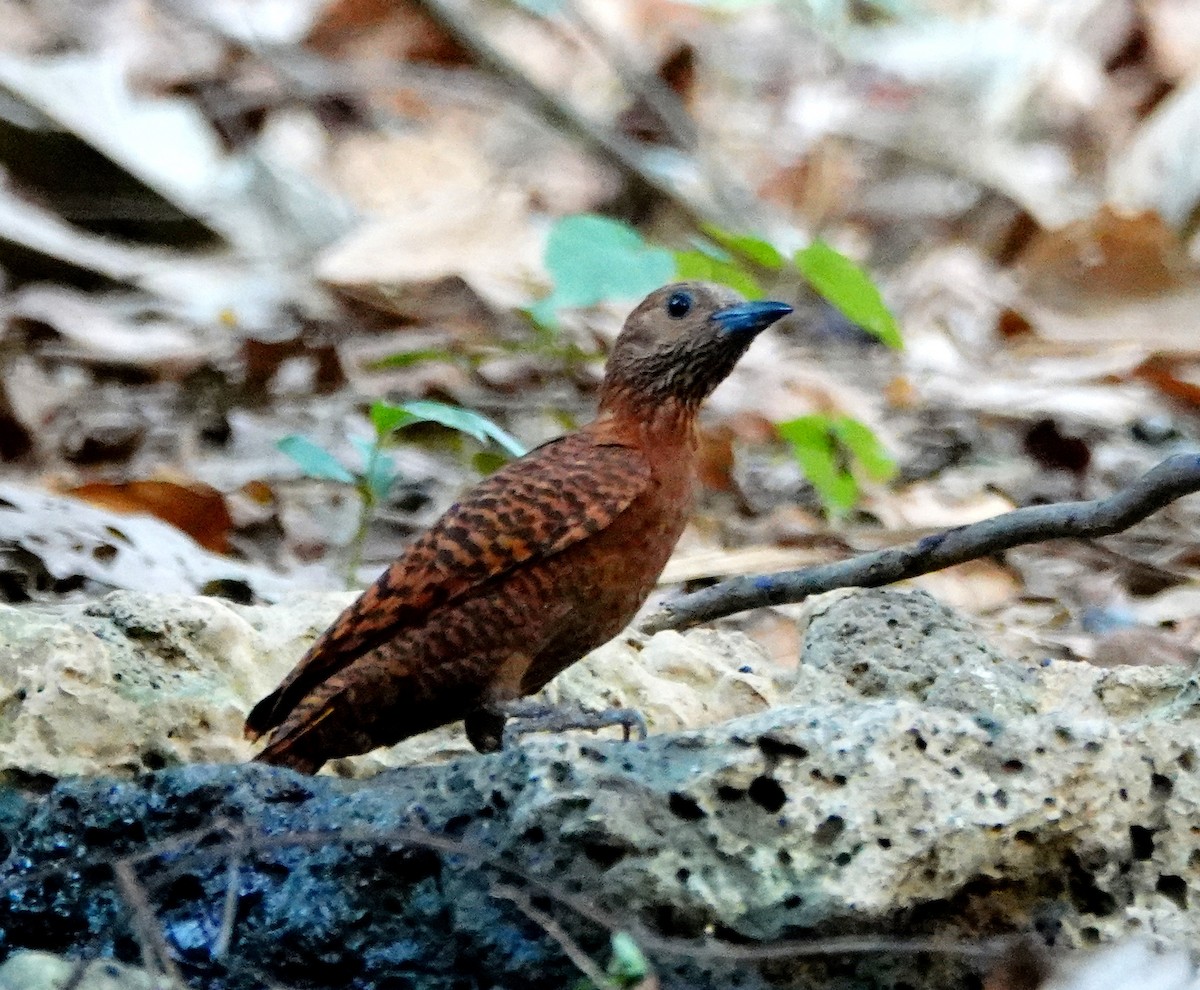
x: 614, y: 148
x: 156, y: 953
x: 229, y: 909
x: 1172, y: 479
x: 193, y: 846
x: 571, y: 949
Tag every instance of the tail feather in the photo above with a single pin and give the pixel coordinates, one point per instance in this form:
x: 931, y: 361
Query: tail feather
x: 283, y: 753
x: 298, y: 741
x: 263, y: 717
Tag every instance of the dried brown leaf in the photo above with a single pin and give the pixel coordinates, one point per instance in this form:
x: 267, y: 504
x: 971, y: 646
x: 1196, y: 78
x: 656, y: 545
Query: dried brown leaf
x: 194, y: 508
x: 439, y: 215
x: 72, y: 539
x: 1108, y: 256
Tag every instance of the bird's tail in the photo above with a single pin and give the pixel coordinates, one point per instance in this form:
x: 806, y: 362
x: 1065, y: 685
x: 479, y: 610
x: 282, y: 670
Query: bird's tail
x: 262, y: 717
x: 285, y: 753
x: 305, y: 734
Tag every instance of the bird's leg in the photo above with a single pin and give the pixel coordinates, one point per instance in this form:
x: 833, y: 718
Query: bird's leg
x: 536, y: 716
x: 487, y: 731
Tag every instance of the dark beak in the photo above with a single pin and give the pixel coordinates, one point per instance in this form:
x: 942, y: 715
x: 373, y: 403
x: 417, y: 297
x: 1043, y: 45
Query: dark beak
x: 751, y: 317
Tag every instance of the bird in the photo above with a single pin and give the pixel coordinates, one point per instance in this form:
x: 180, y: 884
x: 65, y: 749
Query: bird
x: 534, y: 567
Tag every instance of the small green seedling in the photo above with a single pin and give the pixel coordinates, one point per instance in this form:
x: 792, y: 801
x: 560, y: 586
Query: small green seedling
x: 374, y: 480
x: 833, y: 451
x: 628, y: 966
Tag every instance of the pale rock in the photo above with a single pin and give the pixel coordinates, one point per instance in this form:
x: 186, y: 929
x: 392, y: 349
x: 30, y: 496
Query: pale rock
x: 915, y: 784
x: 30, y: 970
x: 134, y: 682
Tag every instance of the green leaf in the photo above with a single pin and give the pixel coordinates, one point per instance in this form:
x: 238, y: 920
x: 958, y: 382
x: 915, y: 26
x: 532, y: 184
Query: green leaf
x: 702, y: 265
x: 813, y: 445
x: 628, y: 966
x: 379, y: 469
x: 861, y: 441
x: 847, y: 287
x: 487, y: 461
x: 406, y: 359
x: 316, y: 462
x: 466, y: 421
x: 543, y: 8
x: 387, y: 418
x: 754, y: 248
x: 592, y: 259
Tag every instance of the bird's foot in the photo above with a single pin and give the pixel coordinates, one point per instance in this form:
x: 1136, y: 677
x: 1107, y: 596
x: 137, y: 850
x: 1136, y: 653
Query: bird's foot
x: 487, y: 729
x: 534, y: 716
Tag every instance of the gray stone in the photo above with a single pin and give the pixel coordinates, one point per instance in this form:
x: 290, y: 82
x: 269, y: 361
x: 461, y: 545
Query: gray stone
x: 889, y: 644
x: 45, y: 971
x: 952, y: 799
x: 135, y: 682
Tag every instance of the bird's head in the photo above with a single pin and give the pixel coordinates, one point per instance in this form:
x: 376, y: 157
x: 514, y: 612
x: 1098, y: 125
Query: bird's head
x: 682, y: 340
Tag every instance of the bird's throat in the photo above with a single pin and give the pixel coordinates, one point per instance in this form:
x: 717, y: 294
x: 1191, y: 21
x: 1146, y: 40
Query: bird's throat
x: 663, y: 429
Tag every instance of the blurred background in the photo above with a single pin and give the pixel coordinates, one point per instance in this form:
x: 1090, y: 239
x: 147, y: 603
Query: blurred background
x: 229, y: 229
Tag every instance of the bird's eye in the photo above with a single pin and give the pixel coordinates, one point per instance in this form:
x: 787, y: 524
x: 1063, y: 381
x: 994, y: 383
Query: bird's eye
x: 679, y: 305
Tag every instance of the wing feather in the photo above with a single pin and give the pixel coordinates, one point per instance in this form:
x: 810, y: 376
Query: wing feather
x: 532, y: 508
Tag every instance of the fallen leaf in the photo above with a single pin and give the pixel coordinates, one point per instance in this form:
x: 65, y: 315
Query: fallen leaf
x: 167, y: 144
x: 1173, y: 30
x: 1108, y: 256
x: 437, y: 215
x: 387, y: 31
x: 978, y: 586
x: 702, y: 565
x: 194, y: 508
x: 116, y: 329
x: 1177, y: 378
x: 1158, y: 169
x: 920, y: 508
x: 73, y: 540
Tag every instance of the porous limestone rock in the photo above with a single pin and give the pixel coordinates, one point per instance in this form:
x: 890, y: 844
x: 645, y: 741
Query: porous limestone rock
x: 134, y: 682
x: 907, y: 797
x: 881, y: 644
x: 46, y: 971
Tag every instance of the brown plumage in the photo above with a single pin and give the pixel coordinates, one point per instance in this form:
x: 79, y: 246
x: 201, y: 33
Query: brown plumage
x: 539, y: 563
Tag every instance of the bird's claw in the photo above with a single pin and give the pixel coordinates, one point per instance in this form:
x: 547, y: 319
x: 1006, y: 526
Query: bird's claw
x: 531, y: 716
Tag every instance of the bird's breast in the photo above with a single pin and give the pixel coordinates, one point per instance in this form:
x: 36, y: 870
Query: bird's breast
x: 596, y: 587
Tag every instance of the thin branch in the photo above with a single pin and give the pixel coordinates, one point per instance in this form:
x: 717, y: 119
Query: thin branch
x: 233, y: 875
x: 184, y: 853
x: 571, y: 949
x: 1172, y: 479
x: 156, y: 953
x: 619, y: 151
x: 657, y: 94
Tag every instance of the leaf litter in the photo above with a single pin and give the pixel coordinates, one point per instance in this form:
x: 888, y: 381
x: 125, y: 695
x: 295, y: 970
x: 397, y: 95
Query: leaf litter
x: 331, y: 204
